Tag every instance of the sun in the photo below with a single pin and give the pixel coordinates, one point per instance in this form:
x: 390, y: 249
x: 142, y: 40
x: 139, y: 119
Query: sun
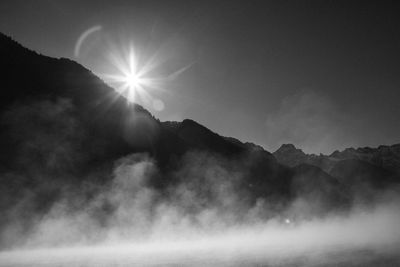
x: 136, y: 80
x: 133, y: 83
x: 133, y: 79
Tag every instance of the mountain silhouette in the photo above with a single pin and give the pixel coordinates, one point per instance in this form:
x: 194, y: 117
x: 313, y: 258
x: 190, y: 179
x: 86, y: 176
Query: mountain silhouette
x: 60, y: 120
x: 28, y: 77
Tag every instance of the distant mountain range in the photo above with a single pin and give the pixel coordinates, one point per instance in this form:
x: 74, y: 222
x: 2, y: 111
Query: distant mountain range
x: 377, y: 166
x: 60, y: 124
x: 387, y: 157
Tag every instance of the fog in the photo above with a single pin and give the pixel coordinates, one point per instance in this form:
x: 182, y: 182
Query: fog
x: 202, y: 219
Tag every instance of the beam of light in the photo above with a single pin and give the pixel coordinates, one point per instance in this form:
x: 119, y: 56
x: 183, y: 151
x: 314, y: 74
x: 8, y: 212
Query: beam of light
x: 135, y: 79
x: 83, y: 37
x: 174, y: 75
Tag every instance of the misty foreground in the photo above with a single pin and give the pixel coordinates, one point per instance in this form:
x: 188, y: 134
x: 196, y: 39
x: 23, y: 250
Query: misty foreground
x: 364, y: 239
x: 87, y: 180
x: 202, y: 221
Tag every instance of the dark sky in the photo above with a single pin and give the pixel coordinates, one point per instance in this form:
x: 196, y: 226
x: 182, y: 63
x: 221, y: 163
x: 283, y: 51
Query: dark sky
x: 323, y: 75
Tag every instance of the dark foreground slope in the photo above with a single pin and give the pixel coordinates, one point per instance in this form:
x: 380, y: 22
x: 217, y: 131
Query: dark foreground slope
x: 63, y: 126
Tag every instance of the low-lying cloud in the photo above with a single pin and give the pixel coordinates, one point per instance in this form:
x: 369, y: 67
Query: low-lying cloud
x: 200, y: 220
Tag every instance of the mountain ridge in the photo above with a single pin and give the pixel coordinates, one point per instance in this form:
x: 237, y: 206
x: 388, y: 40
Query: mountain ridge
x: 386, y: 156
x: 119, y: 128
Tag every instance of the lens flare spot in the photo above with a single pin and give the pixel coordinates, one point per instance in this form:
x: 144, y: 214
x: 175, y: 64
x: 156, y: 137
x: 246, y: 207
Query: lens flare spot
x: 158, y: 105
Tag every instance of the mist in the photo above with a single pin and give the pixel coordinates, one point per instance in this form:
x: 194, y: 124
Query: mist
x: 203, y: 218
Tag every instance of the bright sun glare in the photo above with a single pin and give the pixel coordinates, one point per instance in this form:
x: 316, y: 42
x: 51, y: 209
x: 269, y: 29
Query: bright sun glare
x: 135, y: 79
x: 131, y: 82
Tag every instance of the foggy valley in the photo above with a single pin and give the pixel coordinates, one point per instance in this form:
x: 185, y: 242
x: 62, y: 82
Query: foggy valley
x: 102, y: 168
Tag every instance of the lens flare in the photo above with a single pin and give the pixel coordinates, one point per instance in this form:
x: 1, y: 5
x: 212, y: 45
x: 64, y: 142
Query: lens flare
x: 83, y: 37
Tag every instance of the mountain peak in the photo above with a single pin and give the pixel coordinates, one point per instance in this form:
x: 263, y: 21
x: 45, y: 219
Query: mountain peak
x: 289, y: 155
x: 190, y: 122
x: 288, y: 148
